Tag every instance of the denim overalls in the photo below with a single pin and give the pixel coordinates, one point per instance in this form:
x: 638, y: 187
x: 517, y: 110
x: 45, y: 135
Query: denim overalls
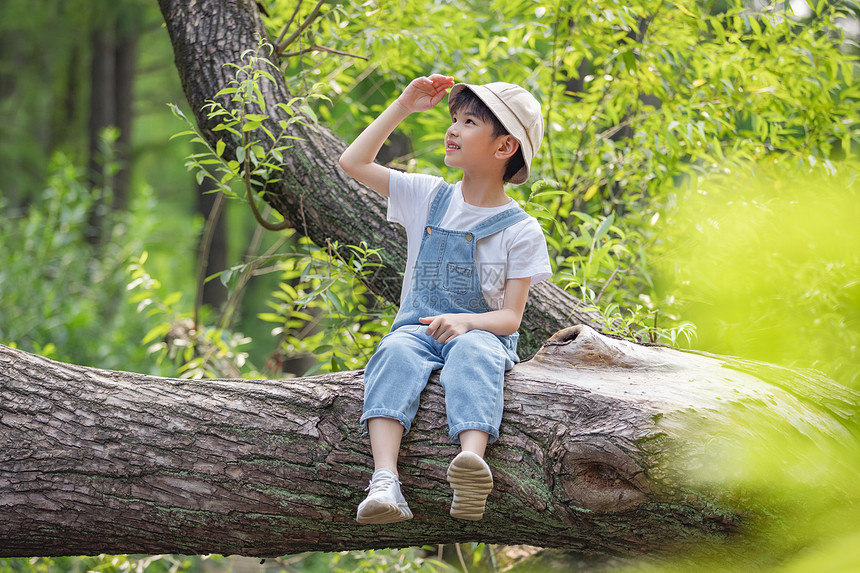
x: 446, y: 279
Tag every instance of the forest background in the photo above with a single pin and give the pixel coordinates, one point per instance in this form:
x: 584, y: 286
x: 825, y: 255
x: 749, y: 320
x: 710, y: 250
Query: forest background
x: 697, y: 186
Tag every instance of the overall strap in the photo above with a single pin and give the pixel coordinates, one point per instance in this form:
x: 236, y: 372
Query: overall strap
x: 440, y: 204
x: 499, y: 221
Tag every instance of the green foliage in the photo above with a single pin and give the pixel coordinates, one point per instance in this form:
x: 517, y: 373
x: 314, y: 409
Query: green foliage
x: 247, y: 159
x: 61, y: 296
x: 180, y: 345
x: 110, y: 564
x: 374, y: 561
x: 767, y: 264
x: 40, y: 90
x: 650, y: 94
x: 601, y: 257
x: 322, y: 308
x: 638, y: 97
x: 413, y: 559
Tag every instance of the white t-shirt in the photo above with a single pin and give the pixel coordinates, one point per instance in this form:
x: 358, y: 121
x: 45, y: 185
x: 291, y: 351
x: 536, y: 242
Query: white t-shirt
x: 516, y: 252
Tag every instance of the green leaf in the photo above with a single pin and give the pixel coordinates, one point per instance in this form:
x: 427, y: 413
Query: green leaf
x: 264, y: 74
x: 181, y: 133
x: 306, y: 109
x: 158, y: 331
x: 270, y: 317
x: 172, y: 299
x: 604, y: 227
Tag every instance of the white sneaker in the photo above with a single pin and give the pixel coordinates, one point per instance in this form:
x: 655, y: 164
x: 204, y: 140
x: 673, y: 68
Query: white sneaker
x: 384, y: 502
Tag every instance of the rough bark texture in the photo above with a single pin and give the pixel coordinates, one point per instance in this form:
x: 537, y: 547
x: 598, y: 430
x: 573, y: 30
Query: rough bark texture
x: 598, y: 439
x: 315, y: 195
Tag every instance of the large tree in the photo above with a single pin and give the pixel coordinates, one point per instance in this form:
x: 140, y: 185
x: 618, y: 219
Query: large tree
x: 602, y: 444
x: 606, y: 447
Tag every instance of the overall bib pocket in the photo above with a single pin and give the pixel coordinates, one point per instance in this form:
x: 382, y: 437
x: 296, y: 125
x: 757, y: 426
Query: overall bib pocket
x: 458, y: 278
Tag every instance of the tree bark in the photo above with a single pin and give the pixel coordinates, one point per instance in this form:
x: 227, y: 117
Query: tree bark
x: 314, y: 195
x: 599, y: 442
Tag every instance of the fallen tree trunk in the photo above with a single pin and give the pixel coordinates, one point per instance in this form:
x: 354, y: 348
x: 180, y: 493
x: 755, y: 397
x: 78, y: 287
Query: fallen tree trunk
x: 597, y: 444
x: 314, y: 195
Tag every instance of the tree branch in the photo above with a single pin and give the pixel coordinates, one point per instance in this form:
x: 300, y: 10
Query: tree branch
x: 308, y: 21
x: 289, y: 22
x: 318, y: 48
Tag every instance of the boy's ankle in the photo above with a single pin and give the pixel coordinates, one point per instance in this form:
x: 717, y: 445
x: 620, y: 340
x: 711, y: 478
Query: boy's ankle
x: 386, y: 469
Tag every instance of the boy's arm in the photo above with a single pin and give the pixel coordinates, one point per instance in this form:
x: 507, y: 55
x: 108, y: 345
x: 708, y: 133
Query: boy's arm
x: 506, y: 320
x: 358, y: 159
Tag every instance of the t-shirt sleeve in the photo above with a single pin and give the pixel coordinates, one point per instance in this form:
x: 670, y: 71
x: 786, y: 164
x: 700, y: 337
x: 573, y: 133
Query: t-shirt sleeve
x: 409, y: 196
x: 528, y: 255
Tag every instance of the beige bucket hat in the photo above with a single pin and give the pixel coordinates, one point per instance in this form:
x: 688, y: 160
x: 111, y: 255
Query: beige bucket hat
x: 518, y: 111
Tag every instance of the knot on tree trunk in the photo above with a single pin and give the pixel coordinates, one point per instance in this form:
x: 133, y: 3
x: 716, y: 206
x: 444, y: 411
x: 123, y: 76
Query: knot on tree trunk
x: 597, y: 475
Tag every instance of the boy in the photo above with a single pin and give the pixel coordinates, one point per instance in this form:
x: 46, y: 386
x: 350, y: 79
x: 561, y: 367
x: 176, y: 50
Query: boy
x: 472, y: 254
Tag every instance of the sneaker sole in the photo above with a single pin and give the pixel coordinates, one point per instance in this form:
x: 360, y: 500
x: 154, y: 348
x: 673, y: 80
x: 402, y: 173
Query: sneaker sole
x: 472, y: 481
x: 376, y: 513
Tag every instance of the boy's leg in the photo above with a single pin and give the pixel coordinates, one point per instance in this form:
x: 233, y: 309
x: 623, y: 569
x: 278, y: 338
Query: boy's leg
x: 385, y: 437
x: 384, y: 502
x: 393, y: 381
x: 396, y: 375
x: 474, y: 441
x: 473, y: 377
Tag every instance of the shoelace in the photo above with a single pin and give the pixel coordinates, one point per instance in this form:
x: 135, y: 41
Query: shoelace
x: 381, y: 482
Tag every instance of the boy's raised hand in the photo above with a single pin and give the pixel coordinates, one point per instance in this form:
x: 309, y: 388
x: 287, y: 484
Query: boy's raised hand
x: 424, y: 93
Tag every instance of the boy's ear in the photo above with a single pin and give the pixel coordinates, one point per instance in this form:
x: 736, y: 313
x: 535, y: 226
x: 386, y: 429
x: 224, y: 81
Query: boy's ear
x: 507, y: 147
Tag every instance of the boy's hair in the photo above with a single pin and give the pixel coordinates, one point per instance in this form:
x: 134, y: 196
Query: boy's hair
x: 466, y: 101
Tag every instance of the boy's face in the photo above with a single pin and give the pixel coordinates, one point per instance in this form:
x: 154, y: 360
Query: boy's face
x: 470, y: 143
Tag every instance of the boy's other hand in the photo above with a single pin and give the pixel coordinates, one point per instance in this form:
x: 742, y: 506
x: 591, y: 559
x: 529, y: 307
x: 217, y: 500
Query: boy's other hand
x: 424, y: 93
x: 445, y: 327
